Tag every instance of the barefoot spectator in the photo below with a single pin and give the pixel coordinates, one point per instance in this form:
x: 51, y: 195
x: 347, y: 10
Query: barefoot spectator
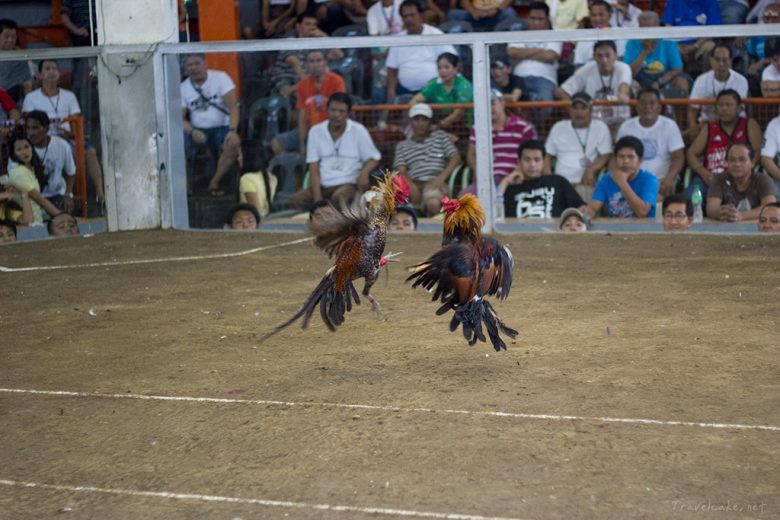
x: 210, y: 111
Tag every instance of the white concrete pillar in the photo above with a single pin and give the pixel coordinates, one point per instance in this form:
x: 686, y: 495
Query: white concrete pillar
x: 128, y: 119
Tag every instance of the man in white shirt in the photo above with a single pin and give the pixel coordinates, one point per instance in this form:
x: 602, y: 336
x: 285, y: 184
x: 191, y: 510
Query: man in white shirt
x: 664, y: 150
x: 604, y: 78
x: 536, y: 64
x: 709, y: 85
x: 410, y: 68
x: 210, y: 110
x: 582, y: 146
x: 60, y: 103
x: 625, y: 14
x: 382, y: 18
x: 56, y: 155
x: 770, y: 77
x: 340, y: 155
x: 770, y: 151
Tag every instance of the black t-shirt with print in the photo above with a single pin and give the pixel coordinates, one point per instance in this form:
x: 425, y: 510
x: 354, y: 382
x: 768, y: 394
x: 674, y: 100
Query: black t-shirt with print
x: 544, y: 197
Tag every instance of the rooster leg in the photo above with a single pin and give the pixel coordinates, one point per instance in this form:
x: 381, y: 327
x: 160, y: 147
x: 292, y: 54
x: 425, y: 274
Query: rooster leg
x: 370, y: 281
x: 375, y: 306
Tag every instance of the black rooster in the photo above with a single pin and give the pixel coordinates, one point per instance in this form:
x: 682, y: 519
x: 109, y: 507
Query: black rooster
x: 469, y: 267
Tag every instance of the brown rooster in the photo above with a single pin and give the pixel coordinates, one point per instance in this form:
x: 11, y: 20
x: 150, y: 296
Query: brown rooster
x: 467, y: 268
x: 356, y: 238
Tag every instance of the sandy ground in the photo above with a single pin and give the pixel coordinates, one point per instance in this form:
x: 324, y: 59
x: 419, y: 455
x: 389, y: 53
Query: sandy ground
x: 676, y: 329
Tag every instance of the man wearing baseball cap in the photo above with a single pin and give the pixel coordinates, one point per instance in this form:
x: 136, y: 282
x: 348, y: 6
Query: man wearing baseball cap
x: 501, y: 78
x: 582, y: 146
x: 426, y: 159
x: 574, y: 221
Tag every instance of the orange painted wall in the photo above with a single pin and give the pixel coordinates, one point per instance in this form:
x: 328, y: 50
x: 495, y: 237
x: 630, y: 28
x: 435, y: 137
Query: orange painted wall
x: 219, y: 21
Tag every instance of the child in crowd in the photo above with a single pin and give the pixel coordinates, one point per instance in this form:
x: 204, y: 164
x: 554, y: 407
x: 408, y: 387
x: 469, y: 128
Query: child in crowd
x: 243, y: 217
x: 7, y: 232
x: 10, y: 210
x: 403, y: 220
x: 574, y: 221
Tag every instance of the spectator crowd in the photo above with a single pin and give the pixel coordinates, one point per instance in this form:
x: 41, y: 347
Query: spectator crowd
x: 613, y: 148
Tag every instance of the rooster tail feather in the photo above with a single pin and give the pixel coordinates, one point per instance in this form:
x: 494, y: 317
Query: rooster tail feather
x: 494, y: 325
x: 473, y: 315
x: 332, y: 306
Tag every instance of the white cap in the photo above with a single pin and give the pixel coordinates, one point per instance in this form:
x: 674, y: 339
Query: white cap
x: 421, y: 109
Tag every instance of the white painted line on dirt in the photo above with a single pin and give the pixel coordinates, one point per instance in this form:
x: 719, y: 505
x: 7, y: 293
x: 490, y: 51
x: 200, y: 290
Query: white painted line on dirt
x: 254, y: 501
x: 546, y: 417
x: 153, y: 260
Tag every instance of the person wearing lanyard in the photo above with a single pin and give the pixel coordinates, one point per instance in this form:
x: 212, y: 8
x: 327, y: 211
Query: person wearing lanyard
x: 604, y: 78
x: 709, y: 85
x: 60, y: 103
x: 340, y: 156
x: 581, y: 146
x: 211, y: 114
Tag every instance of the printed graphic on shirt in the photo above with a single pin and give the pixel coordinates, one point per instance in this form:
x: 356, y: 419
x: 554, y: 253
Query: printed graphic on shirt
x: 537, y: 203
x: 618, y: 206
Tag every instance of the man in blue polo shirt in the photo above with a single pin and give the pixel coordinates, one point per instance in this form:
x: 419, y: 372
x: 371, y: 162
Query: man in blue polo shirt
x: 628, y: 191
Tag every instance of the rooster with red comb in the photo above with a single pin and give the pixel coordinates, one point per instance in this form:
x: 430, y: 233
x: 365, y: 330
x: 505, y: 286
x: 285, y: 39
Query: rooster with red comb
x: 355, y: 237
x: 469, y: 267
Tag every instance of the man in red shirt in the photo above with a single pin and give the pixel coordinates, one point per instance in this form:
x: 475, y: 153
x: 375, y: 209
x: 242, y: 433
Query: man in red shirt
x: 707, y: 154
x: 312, y: 94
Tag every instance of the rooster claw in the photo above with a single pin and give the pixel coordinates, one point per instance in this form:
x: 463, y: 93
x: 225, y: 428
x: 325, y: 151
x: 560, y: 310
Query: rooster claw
x: 376, y: 307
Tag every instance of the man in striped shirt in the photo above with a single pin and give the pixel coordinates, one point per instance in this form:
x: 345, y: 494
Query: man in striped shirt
x: 426, y: 159
x: 509, y: 132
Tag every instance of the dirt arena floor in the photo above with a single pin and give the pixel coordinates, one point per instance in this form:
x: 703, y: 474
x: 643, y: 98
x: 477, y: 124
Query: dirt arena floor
x: 644, y: 384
